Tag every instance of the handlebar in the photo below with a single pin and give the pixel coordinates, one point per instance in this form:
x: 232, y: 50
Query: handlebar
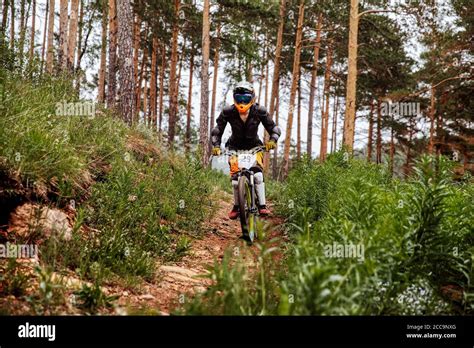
x: 252, y: 151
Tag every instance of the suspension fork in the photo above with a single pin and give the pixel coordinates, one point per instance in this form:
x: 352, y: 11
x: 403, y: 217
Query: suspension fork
x: 252, y: 208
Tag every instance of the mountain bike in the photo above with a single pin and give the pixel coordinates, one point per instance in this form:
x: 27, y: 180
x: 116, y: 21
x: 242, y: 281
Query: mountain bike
x: 248, y: 199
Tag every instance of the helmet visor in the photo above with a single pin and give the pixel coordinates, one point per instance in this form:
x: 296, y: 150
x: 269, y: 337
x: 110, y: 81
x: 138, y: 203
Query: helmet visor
x: 244, y: 98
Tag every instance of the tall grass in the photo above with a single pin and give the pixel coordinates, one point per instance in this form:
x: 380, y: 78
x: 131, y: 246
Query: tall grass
x: 415, y: 238
x: 133, y: 201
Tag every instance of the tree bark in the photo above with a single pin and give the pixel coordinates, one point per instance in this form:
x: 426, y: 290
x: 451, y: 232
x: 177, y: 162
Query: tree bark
x: 50, y: 50
x: 378, y: 154
x: 136, y: 53
x: 432, y: 121
x: 294, y: 84
x: 45, y: 31
x: 162, y: 78
x: 266, y: 75
x: 371, y: 130
x: 80, y: 25
x: 188, y: 106
x: 21, y: 33
x: 153, y: 79
x: 139, y: 86
x: 173, y: 108
x: 112, y: 73
x: 298, y: 123
x: 214, y: 78
x: 32, y: 38
x: 334, y: 124
x: 275, y: 150
x: 407, y: 168
x: 72, y: 35
x: 125, y: 49
x: 392, y: 149
x: 146, y: 115
x: 276, y: 70
x: 325, y: 113
x: 349, y: 119
x: 103, y: 54
x: 204, y: 109
x: 312, y: 89
x: 63, y: 21
x: 12, y: 27
x: 6, y: 4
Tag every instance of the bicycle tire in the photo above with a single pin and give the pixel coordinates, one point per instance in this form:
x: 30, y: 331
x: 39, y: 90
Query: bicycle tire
x: 244, y: 213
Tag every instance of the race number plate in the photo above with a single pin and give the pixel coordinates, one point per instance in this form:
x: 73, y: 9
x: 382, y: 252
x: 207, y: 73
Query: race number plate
x: 246, y: 160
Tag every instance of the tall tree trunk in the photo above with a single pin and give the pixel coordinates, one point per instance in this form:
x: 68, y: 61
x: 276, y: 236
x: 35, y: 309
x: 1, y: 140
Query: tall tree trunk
x: 45, y: 31
x: 139, y: 87
x: 103, y: 54
x: 80, y: 26
x: 189, y: 104
x: 112, y: 73
x: 6, y: 4
x: 432, y: 121
x: 276, y: 70
x: 125, y: 49
x: 294, y: 84
x: 298, y: 122
x: 50, y: 51
x: 204, y: 109
x: 407, y: 168
x: 214, y: 78
x: 371, y: 130
x: 266, y: 75
x: 260, y: 83
x: 349, y: 119
x: 136, y: 53
x: 392, y: 149
x: 153, y: 82
x: 21, y: 41
x: 12, y: 27
x: 162, y: 84
x: 63, y: 21
x: 334, y: 123
x: 173, y: 108
x: 378, y: 154
x: 325, y: 114
x: 72, y: 35
x: 32, y: 38
x: 146, y: 117
x: 312, y: 88
x: 275, y: 150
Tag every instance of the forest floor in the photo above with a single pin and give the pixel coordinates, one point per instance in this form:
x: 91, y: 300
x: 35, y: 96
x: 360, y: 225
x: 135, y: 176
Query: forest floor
x: 174, y: 284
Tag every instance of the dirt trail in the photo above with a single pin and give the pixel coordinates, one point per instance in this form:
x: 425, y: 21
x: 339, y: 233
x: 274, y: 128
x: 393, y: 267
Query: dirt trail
x: 177, y: 281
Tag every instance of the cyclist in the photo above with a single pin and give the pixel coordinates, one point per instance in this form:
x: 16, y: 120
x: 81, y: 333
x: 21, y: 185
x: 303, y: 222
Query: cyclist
x: 244, y: 116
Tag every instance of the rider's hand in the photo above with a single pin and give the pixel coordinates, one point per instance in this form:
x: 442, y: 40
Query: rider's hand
x: 270, y: 145
x: 216, y: 151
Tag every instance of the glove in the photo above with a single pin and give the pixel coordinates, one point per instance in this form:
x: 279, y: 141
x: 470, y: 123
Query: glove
x: 270, y: 145
x: 216, y: 151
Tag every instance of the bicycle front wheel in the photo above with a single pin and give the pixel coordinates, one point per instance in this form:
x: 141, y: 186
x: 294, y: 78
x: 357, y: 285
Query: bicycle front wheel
x: 245, y: 202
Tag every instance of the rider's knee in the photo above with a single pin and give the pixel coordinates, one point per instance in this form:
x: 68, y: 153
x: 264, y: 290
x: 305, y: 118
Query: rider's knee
x: 235, y: 183
x: 258, y: 177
